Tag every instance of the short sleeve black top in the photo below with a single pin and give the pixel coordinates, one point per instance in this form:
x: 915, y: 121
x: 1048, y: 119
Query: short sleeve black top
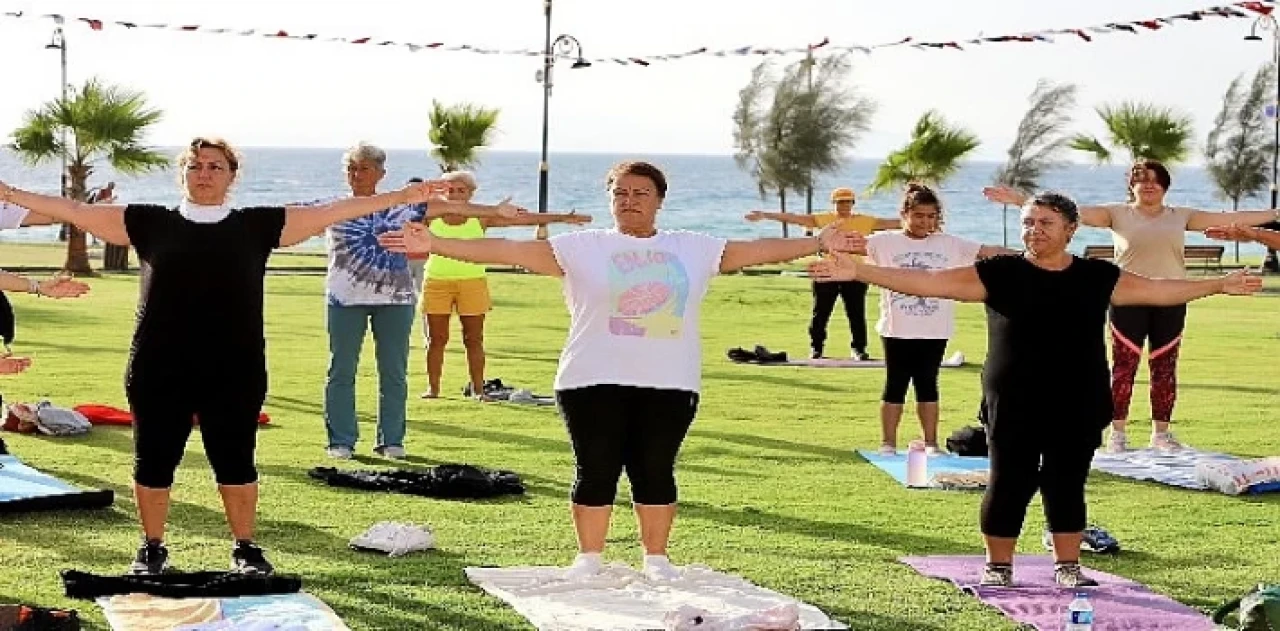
x: 202, y: 296
x: 1046, y: 370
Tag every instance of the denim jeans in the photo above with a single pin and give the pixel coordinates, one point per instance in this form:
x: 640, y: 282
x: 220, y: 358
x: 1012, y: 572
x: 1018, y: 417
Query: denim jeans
x: 391, y: 326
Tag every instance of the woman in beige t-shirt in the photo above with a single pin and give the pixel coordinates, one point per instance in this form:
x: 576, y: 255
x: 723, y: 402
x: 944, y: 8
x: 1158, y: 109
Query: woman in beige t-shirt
x: 1149, y: 239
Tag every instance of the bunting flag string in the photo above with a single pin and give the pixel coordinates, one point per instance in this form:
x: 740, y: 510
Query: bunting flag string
x: 1086, y: 33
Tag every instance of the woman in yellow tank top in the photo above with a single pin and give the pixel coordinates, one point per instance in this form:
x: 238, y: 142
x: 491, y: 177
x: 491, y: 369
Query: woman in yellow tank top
x: 463, y: 287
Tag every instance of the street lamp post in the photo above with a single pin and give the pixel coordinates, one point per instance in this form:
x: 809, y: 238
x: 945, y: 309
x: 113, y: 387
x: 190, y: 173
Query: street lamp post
x: 568, y: 46
x: 59, y: 43
x: 1267, y: 22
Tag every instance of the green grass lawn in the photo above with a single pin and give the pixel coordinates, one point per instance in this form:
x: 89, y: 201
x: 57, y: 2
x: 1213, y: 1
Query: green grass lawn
x: 770, y: 486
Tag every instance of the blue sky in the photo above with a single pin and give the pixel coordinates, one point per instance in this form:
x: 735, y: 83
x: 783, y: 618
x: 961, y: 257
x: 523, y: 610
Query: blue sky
x: 288, y: 93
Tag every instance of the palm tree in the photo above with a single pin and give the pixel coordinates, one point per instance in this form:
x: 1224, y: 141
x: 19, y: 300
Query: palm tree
x: 1238, y: 149
x: 1142, y: 130
x: 811, y: 120
x: 103, y: 123
x: 1041, y: 137
x: 931, y: 156
x: 457, y: 131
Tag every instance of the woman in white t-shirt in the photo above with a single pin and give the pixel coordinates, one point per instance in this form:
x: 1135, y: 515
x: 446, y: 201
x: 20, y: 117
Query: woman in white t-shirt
x: 915, y: 330
x: 631, y: 370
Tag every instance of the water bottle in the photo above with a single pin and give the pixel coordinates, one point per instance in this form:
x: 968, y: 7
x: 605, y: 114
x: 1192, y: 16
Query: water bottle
x: 1079, y: 614
x: 917, y: 464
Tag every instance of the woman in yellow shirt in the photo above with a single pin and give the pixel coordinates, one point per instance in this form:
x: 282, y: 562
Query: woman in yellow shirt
x: 463, y: 287
x: 853, y: 293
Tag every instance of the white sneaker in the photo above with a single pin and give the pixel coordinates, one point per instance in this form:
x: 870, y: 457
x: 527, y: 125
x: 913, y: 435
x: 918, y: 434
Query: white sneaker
x: 933, y: 450
x: 339, y: 452
x: 888, y: 450
x: 1164, y: 441
x: 585, y: 565
x: 658, y: 568
x: 1118, y: 443
x: 394, y: 452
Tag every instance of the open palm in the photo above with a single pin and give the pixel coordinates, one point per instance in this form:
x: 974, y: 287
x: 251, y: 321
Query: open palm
x: 1241, y: 283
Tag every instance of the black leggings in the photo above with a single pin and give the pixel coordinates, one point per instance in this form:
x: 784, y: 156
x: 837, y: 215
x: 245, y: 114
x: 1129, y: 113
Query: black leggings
x: 854, y: 295
x: 1018, y: 468
x: 162, y: 422
x: 910, y: 362
x: 616, y: 427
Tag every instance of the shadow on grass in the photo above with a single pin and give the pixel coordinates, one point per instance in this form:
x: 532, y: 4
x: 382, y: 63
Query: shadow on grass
x: 765, y: 442
x: 757, y: 375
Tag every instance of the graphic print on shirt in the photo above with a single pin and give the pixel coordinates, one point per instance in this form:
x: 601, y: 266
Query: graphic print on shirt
x: 366, y: 267
x: 915, y: 305
x: 648, y: 293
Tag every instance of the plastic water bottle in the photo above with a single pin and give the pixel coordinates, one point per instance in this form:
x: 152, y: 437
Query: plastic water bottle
x: 917, y: 464
x: 1079, y: 614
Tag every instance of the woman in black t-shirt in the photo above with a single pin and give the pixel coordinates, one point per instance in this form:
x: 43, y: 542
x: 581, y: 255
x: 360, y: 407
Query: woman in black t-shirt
x: 198, y: 350
x: 1046, y: 318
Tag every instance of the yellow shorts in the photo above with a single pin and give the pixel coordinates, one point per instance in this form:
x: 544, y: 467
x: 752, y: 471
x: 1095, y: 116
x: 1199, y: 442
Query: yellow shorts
x: 467, y: 296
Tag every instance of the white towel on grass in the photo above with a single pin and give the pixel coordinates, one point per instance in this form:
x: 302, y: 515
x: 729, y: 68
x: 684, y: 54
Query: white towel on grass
x: 621, y: 598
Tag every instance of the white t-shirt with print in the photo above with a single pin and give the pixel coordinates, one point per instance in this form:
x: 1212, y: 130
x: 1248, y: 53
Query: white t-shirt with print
x: 912, y: 317
x: 11, y: 215
x: 634, y: 307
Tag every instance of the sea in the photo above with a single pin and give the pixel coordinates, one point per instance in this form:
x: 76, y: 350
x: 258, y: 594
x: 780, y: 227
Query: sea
x: 707, y: 193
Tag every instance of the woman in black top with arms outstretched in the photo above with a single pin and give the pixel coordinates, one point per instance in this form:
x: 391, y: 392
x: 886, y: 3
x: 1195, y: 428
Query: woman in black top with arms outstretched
x: 1046, y: 382
x: 198, y: 351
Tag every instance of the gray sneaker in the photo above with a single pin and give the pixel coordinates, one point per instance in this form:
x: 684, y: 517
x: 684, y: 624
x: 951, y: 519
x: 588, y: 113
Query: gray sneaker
x: 997, y: 575
x: 339, y: 452
x: 1070, y: 575
x: 394, y: 452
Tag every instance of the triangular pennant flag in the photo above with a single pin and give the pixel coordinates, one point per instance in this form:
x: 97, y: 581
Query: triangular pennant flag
x: 93, y: 24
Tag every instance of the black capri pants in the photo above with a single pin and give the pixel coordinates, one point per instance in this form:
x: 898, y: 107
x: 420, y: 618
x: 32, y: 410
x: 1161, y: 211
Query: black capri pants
x: 615, y: 428
x: 911, y: 362
x: 1020, y: 467
x: 162, y: 423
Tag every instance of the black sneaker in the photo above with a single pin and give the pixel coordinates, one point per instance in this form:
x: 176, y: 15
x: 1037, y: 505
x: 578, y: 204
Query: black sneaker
x: 153, y: 558
x: 860, y: 355
x: 247, y: 558
x: 997, y: 575
x: 816, y: 353
x: 1070, y: 575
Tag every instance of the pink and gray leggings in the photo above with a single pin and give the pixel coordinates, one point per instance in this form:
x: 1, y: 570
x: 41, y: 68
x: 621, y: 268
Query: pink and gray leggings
x: 1160, y: 329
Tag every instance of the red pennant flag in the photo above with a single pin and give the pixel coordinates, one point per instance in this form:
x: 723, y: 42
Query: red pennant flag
x: 1257, y: 7
x: 93, y: 24
x: 362, y: 40
x: 279, y: 34
x: 435, y: 45
x: 1151, y: 24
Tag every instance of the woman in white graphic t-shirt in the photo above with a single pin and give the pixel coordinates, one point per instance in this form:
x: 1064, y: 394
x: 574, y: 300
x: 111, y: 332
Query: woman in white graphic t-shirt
x: 915, y: 330
x: 631, y: 369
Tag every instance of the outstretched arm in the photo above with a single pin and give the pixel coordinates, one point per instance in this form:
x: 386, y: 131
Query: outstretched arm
x: 1202, y: 220
x: 957, y: 283
x: 303, y: 222
x: 535, y: 256
x: 1133, y: 289
x: 1267, y: 237
x: 988, y: 251
x: 103, y: 221
x: 888, y: 224
x: 56, y: 287
x: 807, y: 221
x: 1095, y: 216
x: 535, y: 219
x: 740, y: 254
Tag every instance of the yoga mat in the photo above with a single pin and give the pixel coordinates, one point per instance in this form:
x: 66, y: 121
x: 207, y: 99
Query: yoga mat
x: 955, y: 361
x: 620, y: 598
x: 896, y: 465
x: 1173, y: 468
x: 1036, y: 600
x: 23, y: 488
x: 294, y: 612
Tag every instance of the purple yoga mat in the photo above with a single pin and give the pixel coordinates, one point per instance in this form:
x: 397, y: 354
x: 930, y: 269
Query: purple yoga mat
x: 1119, y: 604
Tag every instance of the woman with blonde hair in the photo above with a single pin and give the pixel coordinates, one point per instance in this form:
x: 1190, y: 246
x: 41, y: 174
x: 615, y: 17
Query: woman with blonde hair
x: 199, y: 348
x: 462, y: 287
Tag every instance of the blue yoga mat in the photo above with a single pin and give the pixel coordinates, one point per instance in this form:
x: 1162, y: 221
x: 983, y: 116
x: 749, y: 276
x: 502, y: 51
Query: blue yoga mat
x: 896, y: 465
x: 24, y: 488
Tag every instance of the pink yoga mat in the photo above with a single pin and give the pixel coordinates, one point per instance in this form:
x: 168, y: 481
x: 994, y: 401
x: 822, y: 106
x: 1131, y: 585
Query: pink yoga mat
x: 1119, y: 604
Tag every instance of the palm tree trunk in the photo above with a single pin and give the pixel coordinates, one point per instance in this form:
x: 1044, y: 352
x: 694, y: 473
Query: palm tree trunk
x: 1235, y: 206
x: 1004, y: 218
x: 77, y: 262
x: 782, y: 203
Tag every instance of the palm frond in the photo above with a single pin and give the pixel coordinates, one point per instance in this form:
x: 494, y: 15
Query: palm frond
x: 1091, y: 145
x: 931, y: 156
x: 1147, y: 131
x: 457, y: 131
